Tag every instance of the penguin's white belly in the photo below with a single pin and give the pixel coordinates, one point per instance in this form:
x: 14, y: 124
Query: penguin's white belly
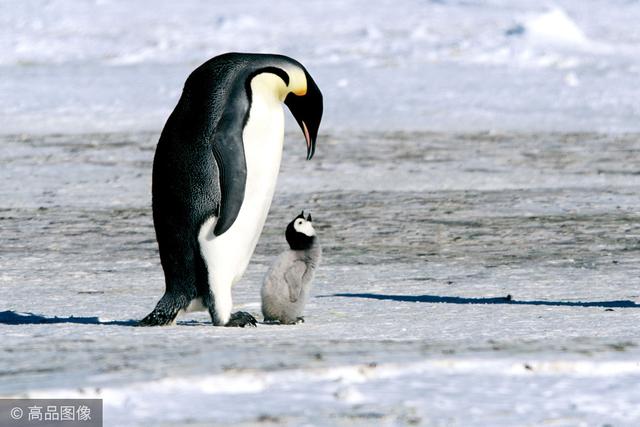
x: 227, y: 256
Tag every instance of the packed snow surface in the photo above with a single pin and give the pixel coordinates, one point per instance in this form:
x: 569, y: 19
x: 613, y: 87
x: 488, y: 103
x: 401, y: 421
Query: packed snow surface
x: 472, y: 279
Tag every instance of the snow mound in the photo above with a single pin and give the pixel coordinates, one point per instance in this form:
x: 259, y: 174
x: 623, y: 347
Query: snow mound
x: 554, y: 28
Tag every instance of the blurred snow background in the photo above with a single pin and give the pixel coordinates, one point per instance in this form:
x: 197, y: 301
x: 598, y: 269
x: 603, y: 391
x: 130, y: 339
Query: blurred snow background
x: 461, y: 65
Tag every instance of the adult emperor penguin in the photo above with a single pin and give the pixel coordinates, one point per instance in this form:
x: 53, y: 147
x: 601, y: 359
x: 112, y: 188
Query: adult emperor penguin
x: 215, y: 172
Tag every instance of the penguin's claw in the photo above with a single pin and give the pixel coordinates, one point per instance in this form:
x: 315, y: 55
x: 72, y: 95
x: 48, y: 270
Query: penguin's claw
x: 147, y: 322
x: 156, y: 319
x: 166, y: 310
x: 241, y: 319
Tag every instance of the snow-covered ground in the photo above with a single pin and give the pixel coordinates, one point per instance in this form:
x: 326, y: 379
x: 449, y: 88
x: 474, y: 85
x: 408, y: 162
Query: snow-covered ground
x: 475, y: 188
x: 425, y: 237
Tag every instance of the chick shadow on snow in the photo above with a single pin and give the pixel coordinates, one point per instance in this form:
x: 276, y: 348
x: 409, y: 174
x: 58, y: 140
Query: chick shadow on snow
x: 499, y: 300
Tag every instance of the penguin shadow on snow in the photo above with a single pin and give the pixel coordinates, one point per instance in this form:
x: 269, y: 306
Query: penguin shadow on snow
x: 498, y: 300
x: 11, y: 317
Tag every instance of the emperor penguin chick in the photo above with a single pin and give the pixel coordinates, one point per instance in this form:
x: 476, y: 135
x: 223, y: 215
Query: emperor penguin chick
x: 285, y: 290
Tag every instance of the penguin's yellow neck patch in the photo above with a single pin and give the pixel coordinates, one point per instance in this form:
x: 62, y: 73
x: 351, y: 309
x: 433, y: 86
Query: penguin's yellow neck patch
x: 297, y: 81
x: 270, y: 82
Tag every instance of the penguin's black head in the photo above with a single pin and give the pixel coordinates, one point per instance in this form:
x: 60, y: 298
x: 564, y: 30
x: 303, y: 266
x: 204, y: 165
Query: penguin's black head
x: 300, y: 233
x: 307, y: 110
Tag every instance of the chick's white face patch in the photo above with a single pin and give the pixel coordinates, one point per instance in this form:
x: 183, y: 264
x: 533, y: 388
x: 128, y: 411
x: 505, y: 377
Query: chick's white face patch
x: 305, y: 227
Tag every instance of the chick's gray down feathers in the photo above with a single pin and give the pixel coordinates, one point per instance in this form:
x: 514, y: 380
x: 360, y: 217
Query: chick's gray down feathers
x: 286, y: 287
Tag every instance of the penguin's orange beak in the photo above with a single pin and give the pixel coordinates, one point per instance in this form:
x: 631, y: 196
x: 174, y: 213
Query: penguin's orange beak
x: 310, y: 147
x: 307, y: 110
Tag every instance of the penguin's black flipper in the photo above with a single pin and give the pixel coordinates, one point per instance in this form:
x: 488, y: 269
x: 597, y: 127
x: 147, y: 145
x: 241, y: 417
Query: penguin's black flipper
x: 228, y: 150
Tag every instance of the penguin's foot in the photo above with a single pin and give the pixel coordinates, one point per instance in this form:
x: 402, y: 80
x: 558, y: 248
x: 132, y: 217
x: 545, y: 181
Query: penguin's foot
x: 241, y: 319
x: 290, y: 321
x: 284, y: 321
x: 165, y: 312
x: 158, y: 318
